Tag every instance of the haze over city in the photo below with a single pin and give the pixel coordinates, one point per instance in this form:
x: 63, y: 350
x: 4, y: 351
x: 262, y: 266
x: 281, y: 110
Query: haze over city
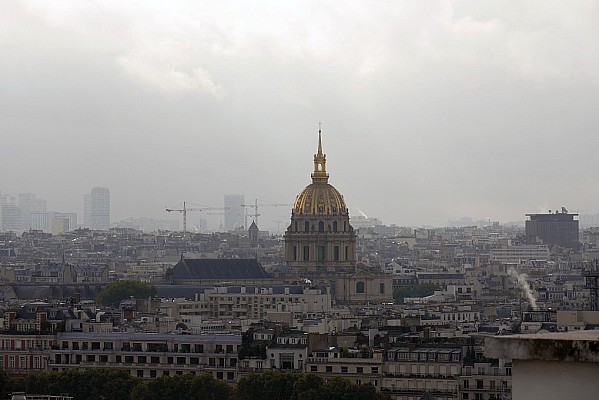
x: 430, y: 111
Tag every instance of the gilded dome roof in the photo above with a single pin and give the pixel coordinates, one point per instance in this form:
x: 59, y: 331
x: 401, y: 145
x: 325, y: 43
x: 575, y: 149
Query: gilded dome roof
x: 320, y: 197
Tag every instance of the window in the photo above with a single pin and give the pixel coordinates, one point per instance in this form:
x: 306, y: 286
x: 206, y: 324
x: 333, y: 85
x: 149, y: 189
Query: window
x: 306, y: 253
x: 152, y: 373
x: 344, y: 370
x: 329, y: 368
x: 382, y: 288
x: 336, y: 253
x: 334, y: 224
x: 294, y: 253
x: 360, y: 287
x: 306, y: 226
x: 140, y: 373
x: 321, y: 253
x: 466, y: 384
x: 479, y: 383
x: 313, y: 368
x: 320, y: 226
x: 359, y: 370
x: 375, y: 370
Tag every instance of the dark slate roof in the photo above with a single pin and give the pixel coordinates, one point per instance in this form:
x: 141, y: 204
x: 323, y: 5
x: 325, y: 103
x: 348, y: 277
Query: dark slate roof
x: 218, y: 269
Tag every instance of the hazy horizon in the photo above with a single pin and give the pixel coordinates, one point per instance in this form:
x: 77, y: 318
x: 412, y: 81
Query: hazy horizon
x: 430, y: 111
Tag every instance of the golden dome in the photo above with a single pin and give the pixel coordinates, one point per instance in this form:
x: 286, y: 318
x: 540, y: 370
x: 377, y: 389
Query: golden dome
x: 320, y: 197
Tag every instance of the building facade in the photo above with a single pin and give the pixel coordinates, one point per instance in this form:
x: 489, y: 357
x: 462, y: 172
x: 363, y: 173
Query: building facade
x: 320, y: 236
x: 320, y: 243
x: 96, y: 209
x: 234, y: 211
x: 559, y: 228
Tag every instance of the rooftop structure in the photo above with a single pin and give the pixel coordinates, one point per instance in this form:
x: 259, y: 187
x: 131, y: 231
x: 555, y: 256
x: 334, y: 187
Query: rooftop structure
x: 551, y: 365
x: 559, y: 228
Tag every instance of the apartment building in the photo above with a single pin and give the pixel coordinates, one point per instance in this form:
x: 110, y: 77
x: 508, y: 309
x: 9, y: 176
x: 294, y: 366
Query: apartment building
x: 519, y: 254
x: 411, y: 371
x: 148, y: 355
x: 336, y: 362
x: 21, y: 354
x: 485, y: 380
x: 251, y: 302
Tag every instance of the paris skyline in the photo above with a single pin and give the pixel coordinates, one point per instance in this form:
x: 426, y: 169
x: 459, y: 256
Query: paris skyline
x: 429, y: 112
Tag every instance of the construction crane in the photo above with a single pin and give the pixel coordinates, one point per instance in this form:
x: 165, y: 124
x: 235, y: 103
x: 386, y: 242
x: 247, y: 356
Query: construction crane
x: 256, y: 214
x: 185, y: 210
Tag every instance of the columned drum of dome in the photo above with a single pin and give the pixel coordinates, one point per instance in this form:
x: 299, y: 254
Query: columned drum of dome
x: 320, y: 236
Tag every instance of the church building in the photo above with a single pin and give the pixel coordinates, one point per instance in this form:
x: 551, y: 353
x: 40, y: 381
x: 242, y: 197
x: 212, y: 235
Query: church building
x: 320, y: 243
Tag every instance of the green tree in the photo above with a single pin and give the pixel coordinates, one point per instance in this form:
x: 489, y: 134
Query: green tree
x: 188, y: 386
x: 94, y: 384
x: 308, y: 387
x: 117, y: 291
x: 6, y: 385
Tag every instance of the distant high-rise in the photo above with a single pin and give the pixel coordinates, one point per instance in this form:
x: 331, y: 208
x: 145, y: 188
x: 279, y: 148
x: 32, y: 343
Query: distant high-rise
x: 234, y: 211
x: 96, y: 209
x: 29, y: 204
x: 559, y: 228
x: 10, y: 214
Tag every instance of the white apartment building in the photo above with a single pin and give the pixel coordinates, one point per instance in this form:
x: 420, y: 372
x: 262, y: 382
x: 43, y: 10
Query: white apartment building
x: 518, y: 254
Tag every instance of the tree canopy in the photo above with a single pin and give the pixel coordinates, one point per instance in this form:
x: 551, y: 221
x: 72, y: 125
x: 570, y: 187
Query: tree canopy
x: 289, y: 386
x: 117, y: 291
x: 116, y: 384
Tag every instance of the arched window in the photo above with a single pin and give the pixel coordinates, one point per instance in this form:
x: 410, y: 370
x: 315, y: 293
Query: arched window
x: 334, y: 226
x: 321, y: 226
x: 360, y: 287
x: 306, y: 226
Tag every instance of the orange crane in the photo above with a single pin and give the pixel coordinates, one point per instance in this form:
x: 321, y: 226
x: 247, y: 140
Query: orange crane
x: 255, y: 214
x: 185, y: 210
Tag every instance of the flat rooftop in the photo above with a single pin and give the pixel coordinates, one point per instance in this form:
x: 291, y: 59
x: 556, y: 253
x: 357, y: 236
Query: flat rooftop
x: 577, y: 346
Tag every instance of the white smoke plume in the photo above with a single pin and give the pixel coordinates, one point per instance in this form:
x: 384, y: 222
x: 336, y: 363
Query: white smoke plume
x: 362, y: 213
x: 522, y: 281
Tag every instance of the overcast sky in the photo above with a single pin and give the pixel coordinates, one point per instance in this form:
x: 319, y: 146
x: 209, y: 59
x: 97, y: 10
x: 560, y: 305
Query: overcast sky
x: 431, y: 110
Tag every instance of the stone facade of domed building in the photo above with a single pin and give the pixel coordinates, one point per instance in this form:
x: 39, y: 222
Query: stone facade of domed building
x: 320, y: 243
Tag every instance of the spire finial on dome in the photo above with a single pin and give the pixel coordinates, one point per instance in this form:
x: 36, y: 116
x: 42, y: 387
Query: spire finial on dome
x: 319, y: 138
x: 320, y: 170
